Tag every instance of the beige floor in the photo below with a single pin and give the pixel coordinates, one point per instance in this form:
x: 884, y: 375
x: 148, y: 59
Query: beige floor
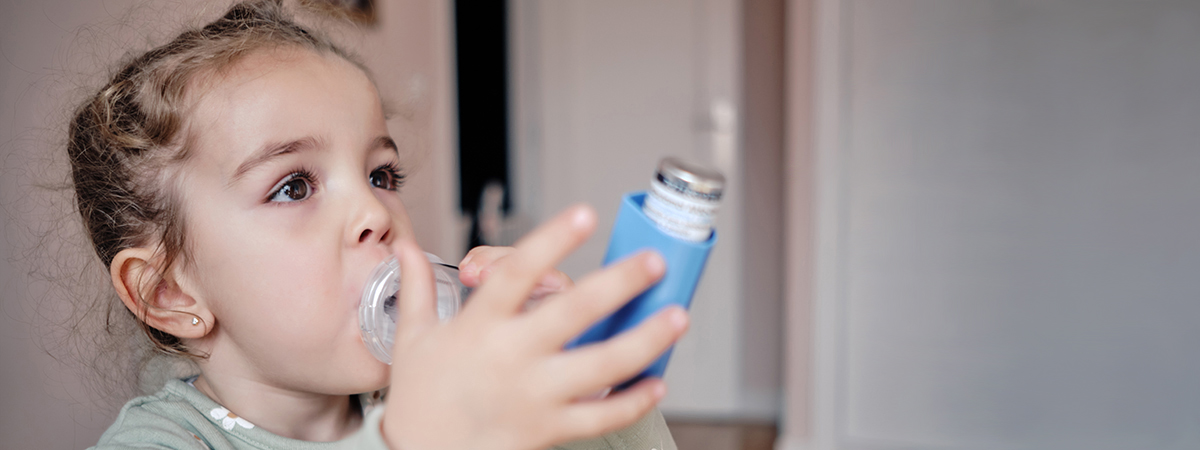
x: 722, y: 436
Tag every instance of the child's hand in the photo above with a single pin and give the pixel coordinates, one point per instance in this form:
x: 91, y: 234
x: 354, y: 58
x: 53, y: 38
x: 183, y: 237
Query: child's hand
x: 480, y: 262
x: 494, y: 378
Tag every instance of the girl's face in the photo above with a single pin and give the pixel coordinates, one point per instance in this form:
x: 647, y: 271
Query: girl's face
x: 290, y: 199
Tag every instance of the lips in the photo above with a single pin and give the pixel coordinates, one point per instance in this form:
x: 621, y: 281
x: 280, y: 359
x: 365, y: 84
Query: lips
x: 377, y: 309
x: 359, y: 278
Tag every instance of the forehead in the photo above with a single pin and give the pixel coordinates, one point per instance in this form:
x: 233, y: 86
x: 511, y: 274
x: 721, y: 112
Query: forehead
x: 281, y: 94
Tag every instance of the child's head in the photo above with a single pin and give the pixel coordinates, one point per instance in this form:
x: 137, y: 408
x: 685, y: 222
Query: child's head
x: 239, y: 182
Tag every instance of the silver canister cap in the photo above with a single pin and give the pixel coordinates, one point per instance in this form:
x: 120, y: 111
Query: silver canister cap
x: 691, y: 179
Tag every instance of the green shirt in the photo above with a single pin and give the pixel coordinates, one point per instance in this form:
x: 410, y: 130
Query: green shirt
x: 181, y: 417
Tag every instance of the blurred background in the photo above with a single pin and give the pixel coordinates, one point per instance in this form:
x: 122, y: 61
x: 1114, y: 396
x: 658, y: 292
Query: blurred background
x: 951, y: 224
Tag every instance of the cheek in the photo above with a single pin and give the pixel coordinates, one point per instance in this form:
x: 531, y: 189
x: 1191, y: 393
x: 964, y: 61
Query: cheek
x: 284, y: 303
x: 401, y: 224
x: 285, y: 270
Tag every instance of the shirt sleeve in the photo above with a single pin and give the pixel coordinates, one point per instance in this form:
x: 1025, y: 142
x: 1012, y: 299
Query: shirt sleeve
x: 649, y: 433
x: 139, y: 429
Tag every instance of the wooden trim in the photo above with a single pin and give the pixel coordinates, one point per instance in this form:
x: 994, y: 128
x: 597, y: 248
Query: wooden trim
x: 813, y: 223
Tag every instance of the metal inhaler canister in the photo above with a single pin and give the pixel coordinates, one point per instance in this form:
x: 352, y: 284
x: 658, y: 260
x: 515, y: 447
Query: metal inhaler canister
x: 377, y: 309
x: 675, y: 218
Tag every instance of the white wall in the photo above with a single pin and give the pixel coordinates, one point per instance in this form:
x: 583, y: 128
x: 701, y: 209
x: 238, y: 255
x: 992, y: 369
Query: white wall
x: 52, y: 54
x: 1007, y: 206
x: 603, y: 90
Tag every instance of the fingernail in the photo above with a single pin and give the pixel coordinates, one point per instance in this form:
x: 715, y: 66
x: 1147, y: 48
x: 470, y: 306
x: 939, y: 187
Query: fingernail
x: 654, y: 263
x: 469, y: 268
x: 678, y: 318
x: 582, y: 217
x: 551, y: 282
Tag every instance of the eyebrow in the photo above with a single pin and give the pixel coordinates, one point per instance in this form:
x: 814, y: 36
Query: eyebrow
x: 276, y: 149
x: 384, y: 142
x: 271, y: 151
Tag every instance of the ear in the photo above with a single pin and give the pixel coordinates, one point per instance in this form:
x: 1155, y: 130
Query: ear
x: 155, y: 297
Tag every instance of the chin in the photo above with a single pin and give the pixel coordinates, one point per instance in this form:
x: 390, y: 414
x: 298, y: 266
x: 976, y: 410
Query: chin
x: 373, y: 377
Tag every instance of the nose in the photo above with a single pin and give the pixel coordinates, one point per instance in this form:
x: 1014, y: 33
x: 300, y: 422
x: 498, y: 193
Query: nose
x: 371, y: 221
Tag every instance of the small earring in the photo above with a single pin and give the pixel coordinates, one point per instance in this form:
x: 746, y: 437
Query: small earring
x: 195, y: 321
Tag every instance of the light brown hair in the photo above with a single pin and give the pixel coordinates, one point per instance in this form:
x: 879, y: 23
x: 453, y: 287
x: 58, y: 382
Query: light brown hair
x: 125, y: 141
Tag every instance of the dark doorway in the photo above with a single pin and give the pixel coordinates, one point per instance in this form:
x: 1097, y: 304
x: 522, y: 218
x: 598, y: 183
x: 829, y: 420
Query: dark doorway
x: 481, y: 41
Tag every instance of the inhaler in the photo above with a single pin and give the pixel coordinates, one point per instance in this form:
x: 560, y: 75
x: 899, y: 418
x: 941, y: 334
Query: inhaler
x: 675, y: 218
x: 377, y: 309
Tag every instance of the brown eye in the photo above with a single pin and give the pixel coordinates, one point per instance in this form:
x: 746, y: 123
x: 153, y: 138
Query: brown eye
x: 297, y: 187
x: 387, y: 176
x: 381, y: 179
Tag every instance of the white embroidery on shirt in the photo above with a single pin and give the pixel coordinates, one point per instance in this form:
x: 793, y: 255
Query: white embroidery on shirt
x: 229, y: 419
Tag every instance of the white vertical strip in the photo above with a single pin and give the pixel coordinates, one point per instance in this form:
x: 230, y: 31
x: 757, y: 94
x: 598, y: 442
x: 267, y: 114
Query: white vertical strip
x: 556, y: 83
x: 525, y: 106
x: 813, y: 178
x: 444, y: 132
x: 830, y: 179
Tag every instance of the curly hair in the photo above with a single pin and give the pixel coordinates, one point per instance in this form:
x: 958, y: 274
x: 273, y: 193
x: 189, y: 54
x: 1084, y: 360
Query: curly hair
x: 125, y: 141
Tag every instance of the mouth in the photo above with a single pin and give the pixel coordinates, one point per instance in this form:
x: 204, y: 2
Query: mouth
x: 389, y: 306
x: 377, y: 309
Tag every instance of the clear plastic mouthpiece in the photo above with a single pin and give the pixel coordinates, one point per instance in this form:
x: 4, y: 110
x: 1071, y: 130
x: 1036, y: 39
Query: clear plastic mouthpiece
x: 377, y: 310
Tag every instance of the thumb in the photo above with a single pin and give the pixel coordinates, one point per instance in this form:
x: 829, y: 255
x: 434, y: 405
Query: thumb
x: 418, y: 293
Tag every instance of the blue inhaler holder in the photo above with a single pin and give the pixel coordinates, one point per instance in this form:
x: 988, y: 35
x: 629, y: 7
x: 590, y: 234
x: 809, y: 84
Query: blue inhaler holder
x: 634, y: 232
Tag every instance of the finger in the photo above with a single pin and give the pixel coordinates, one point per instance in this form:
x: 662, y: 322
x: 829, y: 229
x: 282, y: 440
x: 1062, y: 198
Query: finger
x: 597, y: 366
x: 515, y: 277
x: 551, y: 283
x: 596, y: 296
x: 417, y: 294
x: 477, y: 260
x: 594, y: 418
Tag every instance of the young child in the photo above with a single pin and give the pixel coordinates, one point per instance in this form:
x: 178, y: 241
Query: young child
x: 240, y: 184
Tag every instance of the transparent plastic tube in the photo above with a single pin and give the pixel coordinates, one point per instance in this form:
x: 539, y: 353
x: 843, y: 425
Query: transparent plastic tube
x: 377, y: 309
